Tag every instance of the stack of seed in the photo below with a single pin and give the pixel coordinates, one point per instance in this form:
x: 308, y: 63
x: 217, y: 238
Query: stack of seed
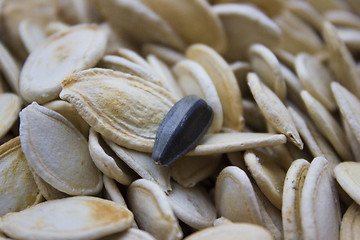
x: 85, y: 85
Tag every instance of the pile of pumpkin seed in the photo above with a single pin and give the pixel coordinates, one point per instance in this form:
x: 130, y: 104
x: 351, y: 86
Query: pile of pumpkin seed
x: 85, y: 85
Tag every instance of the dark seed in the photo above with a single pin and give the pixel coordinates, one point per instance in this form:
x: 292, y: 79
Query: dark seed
x: 182, y: 128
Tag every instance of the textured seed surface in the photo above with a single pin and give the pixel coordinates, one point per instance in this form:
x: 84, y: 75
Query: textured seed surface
x: 319, y: 204
x: 57, y: 151
x: 126, y: 109
x: 182, y: 128
x: 282, y: 80
x: 274, y: 110
x: 51, y: 219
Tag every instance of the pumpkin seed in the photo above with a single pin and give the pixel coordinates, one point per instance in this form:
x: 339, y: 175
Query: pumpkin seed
x: 240, y: 18
x: 182, y: 128
x: 57, y: 151
x: 62, y: 54
x: 293, y: 185
x: 266, y: 65
x: 273, y: 109
x: 18, y: 188
x: 102, y: 98
x: 347, y: 175
x: 233, y: 186
x: 9, y: 111
x: 350, y: 224
x: 192, y: 205
x: 90, y: 218
x: 319, y: 204
x: 152, y: 210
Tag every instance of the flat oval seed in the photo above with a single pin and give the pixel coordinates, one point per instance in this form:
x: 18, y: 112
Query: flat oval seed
x: 103, y: 98
x: 62, y: 54
x: 267, y: 66
x: 152, y: 210
x: 17, y: 186
x: 235, y: 198
x: 193, y: 206
x: 268, y: 175
x: 57, y: 151
x: 182, y: 128
x: 319, y: 204
x: 350, y: 224
x: 273, y: 109
x: 342, y: 62
x: 71, y: 218
x: 107, y: 161
x: 349, y: 107
x: 327, y: 125
x: 316, y: 79
x: 347, y: 175
x: 143, y: 165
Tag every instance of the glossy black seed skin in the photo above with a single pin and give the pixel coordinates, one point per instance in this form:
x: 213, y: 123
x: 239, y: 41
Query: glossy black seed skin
x: 182, y: 128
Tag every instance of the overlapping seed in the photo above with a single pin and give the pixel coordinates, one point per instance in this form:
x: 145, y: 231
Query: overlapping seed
x: 319, y: 203
x: 105, y: 74
x: 152, y: 210
x: 61, y: 54
x: 91, y: 218
x: 57, y: 151
x: 16, y: 179
x: 273, y: 109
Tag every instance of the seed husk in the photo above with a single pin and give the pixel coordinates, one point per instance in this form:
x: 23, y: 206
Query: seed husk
x: 267, y: 67
x: 327, y: 125
x: 152, y: 210
x: 350, y: 224
x: 102, y: 98
x: 273, y: 109
x: 143, y: 165
x: 347, y: 175
x: 127, y: 16
x: 182, y: 128
x: 60, y: 55
x: 316, y: 79
x: 233, y: 186
x: 57, y: 151
x: 181, y: 16
x: 293, y: 185
x: 240, y: 18
x: 319, y: 204
x: 17, y: 186
x: 90, y: 218
x: 9, y: 111
x: 268, y: 175
x: 348, y: 104
x: 107, y: 161
x: 192, y: 206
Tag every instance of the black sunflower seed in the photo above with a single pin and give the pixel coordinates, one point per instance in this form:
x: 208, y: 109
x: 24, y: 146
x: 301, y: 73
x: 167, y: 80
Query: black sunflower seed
x: 182, y: 128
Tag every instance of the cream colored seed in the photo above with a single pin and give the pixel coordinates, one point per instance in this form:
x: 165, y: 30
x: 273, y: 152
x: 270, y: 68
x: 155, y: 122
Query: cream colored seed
x: 315, y: 44
x: 273, y: 109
